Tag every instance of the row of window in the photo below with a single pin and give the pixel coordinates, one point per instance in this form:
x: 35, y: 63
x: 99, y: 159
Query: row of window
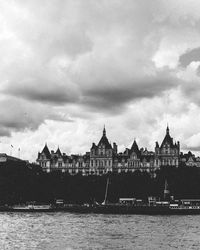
x: 105, y: 163
x: 101, y: 153
x: 165, y: 162
x: 101, y: 163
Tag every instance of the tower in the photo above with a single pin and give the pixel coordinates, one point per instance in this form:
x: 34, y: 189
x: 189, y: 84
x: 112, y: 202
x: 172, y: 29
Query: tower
x: 167, y: 154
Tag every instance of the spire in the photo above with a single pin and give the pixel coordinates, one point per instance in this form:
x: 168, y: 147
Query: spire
x: 104, y: 140
x: 104, y: 131
x: 168, y: 139
x: 167, y: 130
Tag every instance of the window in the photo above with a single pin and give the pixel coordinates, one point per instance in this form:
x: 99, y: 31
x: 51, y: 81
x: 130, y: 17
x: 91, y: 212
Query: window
x: 44, y: 164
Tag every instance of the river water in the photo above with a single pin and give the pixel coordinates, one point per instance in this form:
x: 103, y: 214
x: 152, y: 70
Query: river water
x: 79, y: 231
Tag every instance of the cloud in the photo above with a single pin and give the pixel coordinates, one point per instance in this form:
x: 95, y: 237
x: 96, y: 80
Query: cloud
x: 69, y: 50
x: 19, y: 115
x: 43, y: 91
x: 190, y: 56
x: 134, y: 64
x: 118, y: 95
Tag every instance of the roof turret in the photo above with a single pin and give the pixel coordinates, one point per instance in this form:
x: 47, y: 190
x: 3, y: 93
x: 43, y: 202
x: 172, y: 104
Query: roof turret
x: 104, y: 140
x: 168, y: 139
x: 58, y: 152
x: 46, y: 151
x: 135, y: 148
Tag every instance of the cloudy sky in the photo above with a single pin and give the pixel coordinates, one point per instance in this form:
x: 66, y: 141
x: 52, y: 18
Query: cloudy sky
x: 67, y: 67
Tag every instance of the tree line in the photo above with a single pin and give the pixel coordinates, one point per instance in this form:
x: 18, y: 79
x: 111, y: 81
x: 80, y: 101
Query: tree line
x: 20, y: 183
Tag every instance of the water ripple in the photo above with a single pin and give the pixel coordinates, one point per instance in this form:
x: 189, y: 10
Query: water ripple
x: 65, y: 231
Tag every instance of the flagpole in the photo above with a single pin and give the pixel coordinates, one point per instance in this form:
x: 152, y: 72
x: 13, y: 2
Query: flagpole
x: 11, y: 146
x: 19, y: 153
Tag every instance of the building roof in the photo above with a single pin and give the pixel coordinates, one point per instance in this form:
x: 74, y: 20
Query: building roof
x: 134, y: 147
x: 168, y: 139
x: 46, y: 151
x: 94, y: 146
x: 4, y: 157
x: 58, y: 152
x: 104, y: 140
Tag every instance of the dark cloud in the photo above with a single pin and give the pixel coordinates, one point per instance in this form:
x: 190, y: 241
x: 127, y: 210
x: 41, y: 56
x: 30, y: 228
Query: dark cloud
x: 83, y: 53
x: 43, y: 91
x: 114, y: 98
x: 19, y: 115
x: 70, y: 60
x: 190, y: 56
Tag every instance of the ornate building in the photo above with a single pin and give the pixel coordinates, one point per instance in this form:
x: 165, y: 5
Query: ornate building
x: 167, y: 154
x: 101, y: 156
x: 189, y: 160
x: 57, y: 161
x: 133, y: 159
x: 104, y: 158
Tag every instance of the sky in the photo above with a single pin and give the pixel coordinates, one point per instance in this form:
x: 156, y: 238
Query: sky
x: 69, y: 67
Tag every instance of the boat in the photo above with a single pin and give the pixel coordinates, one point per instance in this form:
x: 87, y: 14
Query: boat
x: 171, y: 209
x: 167, y: 206
x: 153, y: 206
x: 32, y: 208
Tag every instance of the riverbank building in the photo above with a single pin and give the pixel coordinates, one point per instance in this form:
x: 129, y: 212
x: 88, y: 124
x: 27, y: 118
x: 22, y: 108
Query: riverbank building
x: 104, y: 157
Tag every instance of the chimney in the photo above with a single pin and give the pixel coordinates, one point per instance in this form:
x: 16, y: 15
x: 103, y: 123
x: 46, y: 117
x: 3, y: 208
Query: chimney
x: 114, y: 147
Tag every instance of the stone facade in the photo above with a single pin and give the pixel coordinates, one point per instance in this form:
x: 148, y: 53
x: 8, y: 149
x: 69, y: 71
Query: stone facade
x: 104, y: 157
x: 190, y: 160
x: 52, y: 161
x: 101, y: 156
x: 167, y: 154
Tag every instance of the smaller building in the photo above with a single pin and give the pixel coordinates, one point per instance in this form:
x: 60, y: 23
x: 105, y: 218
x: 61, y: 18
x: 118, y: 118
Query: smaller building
x: 190, y: 160
x: 8, y: 160
x: 57, y: 161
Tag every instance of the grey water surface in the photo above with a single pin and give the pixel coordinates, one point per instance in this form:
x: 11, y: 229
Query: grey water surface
x: 82, y: 231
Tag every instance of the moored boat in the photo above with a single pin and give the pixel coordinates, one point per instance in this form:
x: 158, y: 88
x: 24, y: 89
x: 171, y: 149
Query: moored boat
x: 168, y: 206
x: 32, y: 208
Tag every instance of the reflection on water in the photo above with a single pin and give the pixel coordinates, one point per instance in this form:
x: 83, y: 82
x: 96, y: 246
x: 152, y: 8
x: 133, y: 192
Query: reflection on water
x: 74, y: 231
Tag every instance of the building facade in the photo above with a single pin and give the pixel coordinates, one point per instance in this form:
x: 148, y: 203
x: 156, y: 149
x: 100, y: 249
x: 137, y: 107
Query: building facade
x: 104, y: 158
x: 101, y: 156
x: 167, y: 154
x: 53, y: 161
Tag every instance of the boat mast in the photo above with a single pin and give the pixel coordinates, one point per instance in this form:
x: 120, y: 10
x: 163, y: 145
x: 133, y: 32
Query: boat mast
x: 166, y: 191
x: 104, y: 202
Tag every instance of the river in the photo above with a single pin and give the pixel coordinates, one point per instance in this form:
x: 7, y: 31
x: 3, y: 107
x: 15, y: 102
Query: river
x: 65, y: 231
